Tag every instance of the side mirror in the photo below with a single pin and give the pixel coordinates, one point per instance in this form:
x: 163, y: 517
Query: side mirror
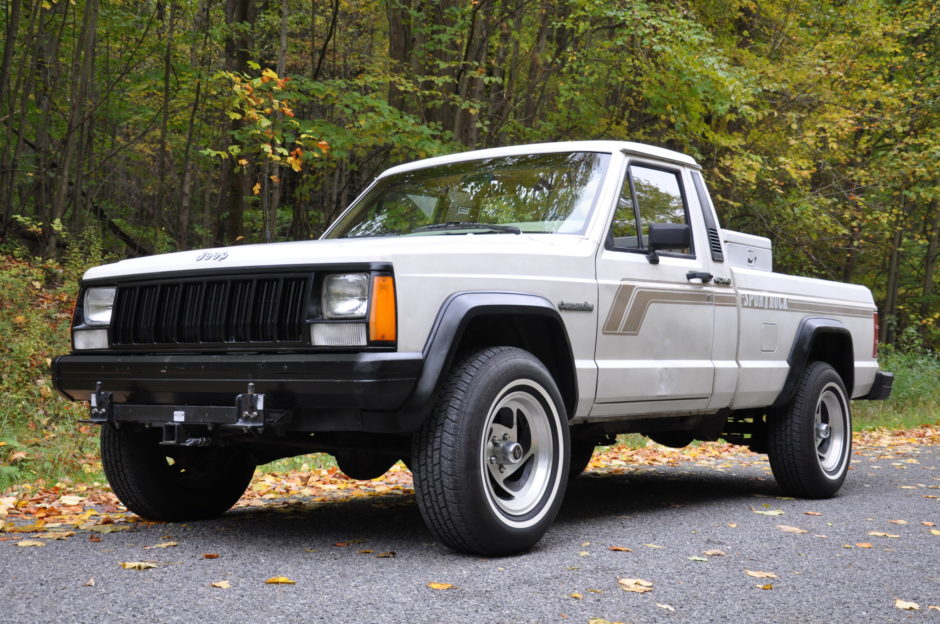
x: 667, y: 236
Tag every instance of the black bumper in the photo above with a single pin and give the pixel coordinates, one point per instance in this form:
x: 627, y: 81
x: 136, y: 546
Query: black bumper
x: 881, y: 388
x: 317, y: 392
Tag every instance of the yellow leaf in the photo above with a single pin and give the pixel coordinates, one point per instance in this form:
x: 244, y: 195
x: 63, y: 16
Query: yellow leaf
x: 221, y: 585
x: 715, y: 553
x: 898, y: 521
x: 440, y: 586
x: 269, y: 74
x: 653, y: 546
x: 758, y: 574
x: 280, y: 580
x: 619, y: 549
x: 163, y: 545
x: 576, y: 596
x: 863, y: 545
x: 584, y: 553
x: 137, y: 565
x: 769, y: 512
x: 934, y: 532
x: 56, y: 535
x: 880, y: 534
x: 790, y: 529
x: 27, y: 543
x: 256, y: 189
x: 89, y: 583
x: 71, y: 500
x: 635, y: 585
x: 767, y: 586
x: 905, y: 605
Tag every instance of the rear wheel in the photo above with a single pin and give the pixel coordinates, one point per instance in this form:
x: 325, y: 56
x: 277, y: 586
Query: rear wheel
x: 363, y: 465
x: 491, y: 463
x: 582, y: 450
x: 172, y: 483
x: 810, y: 440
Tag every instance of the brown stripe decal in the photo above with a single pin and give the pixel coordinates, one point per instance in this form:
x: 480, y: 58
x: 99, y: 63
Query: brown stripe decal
x: 631, y: 304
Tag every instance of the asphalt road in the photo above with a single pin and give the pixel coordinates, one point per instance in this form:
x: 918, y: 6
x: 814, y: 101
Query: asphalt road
x: 665, y: 515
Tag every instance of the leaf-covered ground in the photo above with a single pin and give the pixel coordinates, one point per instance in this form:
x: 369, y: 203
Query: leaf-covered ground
x: 31, y: 513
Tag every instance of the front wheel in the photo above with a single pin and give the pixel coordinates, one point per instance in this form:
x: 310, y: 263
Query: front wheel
x: 172, y: 483
x: 810, y: 440
x: 491, y: 463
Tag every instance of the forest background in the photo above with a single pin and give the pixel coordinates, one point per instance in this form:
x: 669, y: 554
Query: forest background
x: 130, y: 127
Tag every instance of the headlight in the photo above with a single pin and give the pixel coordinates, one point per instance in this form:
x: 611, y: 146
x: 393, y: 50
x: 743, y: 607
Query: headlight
x: 346, y: 296
x: 97, y: 305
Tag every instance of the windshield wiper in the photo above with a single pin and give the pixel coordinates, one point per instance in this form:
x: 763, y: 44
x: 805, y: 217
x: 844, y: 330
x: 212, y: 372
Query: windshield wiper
x: 468, y: 225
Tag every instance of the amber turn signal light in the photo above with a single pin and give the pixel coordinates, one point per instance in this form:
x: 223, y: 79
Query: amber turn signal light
x: 382, y: 321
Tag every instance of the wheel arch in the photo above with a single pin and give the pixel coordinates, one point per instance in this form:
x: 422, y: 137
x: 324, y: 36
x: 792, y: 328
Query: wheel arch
x: 819, y: 340
x: 473, y: 320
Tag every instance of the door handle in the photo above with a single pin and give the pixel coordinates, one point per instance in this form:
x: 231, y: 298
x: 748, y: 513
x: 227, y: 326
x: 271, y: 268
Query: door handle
x: 702, y: 275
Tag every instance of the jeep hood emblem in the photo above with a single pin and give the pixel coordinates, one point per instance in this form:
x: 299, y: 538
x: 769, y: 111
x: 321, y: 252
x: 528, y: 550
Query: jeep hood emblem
x: 212, y: 255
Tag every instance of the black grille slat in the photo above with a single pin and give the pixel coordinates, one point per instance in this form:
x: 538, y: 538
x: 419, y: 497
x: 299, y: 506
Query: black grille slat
x: 222, y: 312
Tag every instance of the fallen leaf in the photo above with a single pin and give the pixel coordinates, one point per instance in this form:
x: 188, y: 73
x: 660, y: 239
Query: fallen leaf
x: 696, y: 558
x: 714, y: 553
x: 653, y: 546
x: 786, y: 528
x: 365, y: 552
x: 56, y: 535
x: 89, y: 583
x: 163, y: 545
x: 925, y: 523
x: 665, y: 606
x: 619, y: 549
x: 94, y: 538
x: 28, y: 543
x: 907, y: 606
x: 733, y: 525
x: 137, y: 565
x: 635, y: 585
x: 769, y: 512
x: 934, y: 532
x: 209, y: 555
x: 933, y: 608
x: 440, y: 586
x: 863, y: 545
x: 596, y: 591
x: 584, y: 553
x: 758, y: 574
x: 812, y: 513
x: 898, y: 521
x: 388, y: 554
x: 880, y: 534
x: 576, y: 596
x: 279, y: 580
x: 221, y: 584
x: 767, y: 586
x: 585, y: 544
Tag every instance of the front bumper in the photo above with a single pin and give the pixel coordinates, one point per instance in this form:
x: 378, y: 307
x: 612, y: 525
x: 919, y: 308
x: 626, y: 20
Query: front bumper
x: 314, y: 392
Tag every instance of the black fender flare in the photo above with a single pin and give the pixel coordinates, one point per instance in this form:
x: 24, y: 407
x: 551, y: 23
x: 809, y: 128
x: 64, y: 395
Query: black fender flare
x: 443, y: 342
x: 807, y: 333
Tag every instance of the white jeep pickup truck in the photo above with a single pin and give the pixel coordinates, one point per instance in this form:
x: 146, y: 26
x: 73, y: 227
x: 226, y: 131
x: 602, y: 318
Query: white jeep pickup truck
x: 487, y: 317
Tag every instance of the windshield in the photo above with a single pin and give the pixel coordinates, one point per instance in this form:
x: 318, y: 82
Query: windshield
x: 537, y: 193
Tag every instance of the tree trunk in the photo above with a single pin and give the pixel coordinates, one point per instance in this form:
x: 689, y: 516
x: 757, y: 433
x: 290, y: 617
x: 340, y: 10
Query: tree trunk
x: 930, y: 266
x: 157, y: 217
x: 82, y: 68
x: 889, y: 336
x: 240, y: 18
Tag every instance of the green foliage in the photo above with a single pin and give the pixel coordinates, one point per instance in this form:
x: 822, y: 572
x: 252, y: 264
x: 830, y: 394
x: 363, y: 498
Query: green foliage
x: 915, y: 397
x: 39, y: 433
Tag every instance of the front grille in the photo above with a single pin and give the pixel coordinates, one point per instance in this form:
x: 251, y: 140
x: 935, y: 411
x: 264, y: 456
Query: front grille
x: 218, y: 311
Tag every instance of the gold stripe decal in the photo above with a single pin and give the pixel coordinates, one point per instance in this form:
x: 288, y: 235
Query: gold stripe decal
x: 631, y: 304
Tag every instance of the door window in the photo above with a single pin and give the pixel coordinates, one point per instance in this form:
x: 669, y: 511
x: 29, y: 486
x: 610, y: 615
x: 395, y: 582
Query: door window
x: 649, y: 195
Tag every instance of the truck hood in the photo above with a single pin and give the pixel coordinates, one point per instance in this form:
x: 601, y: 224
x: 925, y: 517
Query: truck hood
x: 347, y: 251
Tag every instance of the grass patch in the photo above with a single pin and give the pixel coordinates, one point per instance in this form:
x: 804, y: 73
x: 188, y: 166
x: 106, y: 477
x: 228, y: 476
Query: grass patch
x: 915, y: 397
